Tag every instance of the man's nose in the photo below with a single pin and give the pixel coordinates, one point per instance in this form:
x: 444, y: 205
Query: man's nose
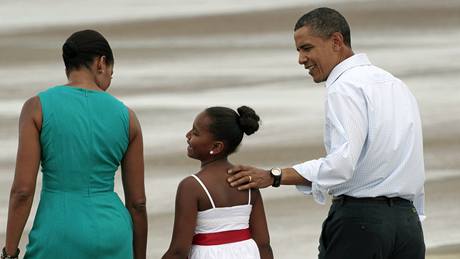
x: 302, y: 58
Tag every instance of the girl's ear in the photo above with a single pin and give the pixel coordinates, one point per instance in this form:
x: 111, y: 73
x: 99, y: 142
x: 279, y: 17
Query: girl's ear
x: 218, y: 147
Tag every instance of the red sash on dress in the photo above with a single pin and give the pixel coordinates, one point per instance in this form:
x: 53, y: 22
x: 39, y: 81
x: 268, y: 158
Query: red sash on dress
x: 220, y: 238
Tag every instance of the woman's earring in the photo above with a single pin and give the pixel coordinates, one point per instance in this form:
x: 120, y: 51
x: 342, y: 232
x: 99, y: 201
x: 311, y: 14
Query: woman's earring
x: 211, y: 152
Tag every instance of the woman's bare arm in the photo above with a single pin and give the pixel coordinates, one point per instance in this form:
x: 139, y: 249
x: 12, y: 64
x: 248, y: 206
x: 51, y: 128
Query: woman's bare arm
x: 132, y: 167
x: 25, y: 177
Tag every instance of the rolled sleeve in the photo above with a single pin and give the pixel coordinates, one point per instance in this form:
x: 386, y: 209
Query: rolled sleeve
x: 309, y: 170
x: 345, y: 133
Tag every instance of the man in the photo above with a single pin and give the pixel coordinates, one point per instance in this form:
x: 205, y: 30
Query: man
x: 374, y: 167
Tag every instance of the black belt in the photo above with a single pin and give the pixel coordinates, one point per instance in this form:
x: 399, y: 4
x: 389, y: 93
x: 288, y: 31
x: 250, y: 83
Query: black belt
x: 379, y: 199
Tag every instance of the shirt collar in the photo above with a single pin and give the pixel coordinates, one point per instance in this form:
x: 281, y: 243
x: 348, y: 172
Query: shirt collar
x: 351, y: 62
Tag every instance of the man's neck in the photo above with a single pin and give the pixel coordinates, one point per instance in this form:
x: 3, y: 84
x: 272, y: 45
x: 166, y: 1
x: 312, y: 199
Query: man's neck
x: 346, y: 54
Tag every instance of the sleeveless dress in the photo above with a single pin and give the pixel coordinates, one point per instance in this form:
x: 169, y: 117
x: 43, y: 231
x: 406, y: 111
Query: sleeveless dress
x: 84, y: 136
x: 226, y: 223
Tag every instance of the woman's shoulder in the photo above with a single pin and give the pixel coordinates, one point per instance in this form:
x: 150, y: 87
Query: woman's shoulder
x: 32, y: 104
x: 50, y: 90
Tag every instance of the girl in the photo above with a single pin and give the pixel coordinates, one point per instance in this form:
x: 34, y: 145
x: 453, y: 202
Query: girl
x: 214, y: 220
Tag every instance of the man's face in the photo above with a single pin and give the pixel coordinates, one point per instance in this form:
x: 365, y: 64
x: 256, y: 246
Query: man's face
x: 315, y: 53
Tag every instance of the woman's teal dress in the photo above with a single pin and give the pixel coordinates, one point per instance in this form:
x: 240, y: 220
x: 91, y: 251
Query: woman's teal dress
x: 84, y: 137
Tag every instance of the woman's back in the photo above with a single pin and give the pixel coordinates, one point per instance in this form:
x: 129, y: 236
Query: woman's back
x: 84, y: 135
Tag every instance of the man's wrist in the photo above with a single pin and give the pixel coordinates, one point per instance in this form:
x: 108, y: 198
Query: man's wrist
x: 292, y: 177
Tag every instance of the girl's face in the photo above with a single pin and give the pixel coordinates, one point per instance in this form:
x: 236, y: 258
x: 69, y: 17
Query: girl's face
x: 200, y: 141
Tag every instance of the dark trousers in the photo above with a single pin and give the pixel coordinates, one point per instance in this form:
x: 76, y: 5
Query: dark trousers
x: 371, y: 228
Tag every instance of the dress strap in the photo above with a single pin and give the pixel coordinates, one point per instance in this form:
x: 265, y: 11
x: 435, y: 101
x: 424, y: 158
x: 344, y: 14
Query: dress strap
x: 249, y: 202
x: 205, y: 189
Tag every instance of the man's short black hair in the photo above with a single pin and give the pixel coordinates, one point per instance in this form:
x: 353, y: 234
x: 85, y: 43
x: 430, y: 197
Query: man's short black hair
x: 324, y: 22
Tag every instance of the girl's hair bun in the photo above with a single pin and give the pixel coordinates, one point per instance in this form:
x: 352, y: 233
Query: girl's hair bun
x: 248, y: 120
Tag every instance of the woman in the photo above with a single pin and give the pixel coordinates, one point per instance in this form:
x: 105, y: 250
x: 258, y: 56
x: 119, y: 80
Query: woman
x: 214, y: 220
x: 80, y: 134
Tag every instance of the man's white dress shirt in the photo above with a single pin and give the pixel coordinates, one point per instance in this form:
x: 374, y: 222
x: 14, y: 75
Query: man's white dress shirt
x: 373, y: 137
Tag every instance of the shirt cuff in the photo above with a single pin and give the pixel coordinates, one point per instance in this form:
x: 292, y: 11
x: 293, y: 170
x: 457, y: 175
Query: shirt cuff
x: 309, y: 170
x: 419, y: 204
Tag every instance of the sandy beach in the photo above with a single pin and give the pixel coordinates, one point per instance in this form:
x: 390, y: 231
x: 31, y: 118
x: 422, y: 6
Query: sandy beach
x: 169, y: 69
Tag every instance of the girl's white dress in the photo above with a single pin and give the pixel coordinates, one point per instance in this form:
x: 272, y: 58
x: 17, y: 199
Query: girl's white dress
x: 224, y: 219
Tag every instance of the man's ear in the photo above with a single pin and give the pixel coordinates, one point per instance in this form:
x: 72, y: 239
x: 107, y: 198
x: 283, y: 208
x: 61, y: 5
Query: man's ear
x: 337, y: 41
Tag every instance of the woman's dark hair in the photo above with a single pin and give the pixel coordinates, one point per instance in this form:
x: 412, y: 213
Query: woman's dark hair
x: 82, y: 47
x: 228, y: 125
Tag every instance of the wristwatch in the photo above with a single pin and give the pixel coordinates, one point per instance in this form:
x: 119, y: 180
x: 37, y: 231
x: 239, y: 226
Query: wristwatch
x: 276, y: 173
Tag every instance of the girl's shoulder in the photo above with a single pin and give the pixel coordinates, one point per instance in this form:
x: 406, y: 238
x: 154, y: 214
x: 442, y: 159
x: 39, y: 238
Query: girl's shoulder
x: 189, y: 185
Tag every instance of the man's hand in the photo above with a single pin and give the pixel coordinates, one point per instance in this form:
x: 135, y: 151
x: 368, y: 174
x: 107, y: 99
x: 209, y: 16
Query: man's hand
x: 247, y: 177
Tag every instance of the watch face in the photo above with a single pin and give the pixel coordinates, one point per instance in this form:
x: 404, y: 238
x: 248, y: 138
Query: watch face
x: 276, y: 171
